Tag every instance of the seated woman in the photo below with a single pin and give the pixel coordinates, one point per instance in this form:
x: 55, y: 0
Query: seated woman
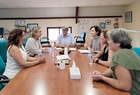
x: 125, y: 65
x: 104, y: 56
x: 33, y: 45
x: 94, y: 44
x: 16, y: 54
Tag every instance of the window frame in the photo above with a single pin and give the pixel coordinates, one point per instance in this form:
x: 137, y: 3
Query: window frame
x: 56, y: 28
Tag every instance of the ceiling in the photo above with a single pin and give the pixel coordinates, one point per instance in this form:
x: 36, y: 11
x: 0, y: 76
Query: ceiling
x: 61, y: 3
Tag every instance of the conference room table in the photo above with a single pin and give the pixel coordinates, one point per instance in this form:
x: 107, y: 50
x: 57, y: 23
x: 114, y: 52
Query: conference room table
x: 47, y: 79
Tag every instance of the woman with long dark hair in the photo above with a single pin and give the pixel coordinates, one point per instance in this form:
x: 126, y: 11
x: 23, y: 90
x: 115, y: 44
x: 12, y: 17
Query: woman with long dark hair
x: 16, y: 54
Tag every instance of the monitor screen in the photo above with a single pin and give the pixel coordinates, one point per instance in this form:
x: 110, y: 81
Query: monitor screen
x: 1, y: 31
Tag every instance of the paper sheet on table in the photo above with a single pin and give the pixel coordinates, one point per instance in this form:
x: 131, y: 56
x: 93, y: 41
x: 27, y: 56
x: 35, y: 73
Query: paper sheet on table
x: 61, y: 57
x: 84, y: 51
x: 58, y: 48
x: 72, y: 49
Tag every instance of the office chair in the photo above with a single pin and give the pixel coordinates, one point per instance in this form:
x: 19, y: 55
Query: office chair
x: 45, y: 40
x: 3, y: 79
x: 24, y: 43
x: 136, y: 50
x: 3, y: 51
x: 81, y: 38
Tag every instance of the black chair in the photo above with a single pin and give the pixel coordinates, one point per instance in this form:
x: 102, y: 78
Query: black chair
x: 81, y: 39
x: 26, y: 39
x: 45, y: 40
x: 3, y: 79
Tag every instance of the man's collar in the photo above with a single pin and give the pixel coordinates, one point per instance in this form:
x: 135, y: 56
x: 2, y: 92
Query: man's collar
x: 66, y: 35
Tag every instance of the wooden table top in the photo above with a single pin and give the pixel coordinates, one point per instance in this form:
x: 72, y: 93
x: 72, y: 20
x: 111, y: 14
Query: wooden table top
x: 47, y: 79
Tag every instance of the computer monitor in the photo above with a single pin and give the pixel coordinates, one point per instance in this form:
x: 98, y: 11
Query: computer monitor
x: 2, y: 32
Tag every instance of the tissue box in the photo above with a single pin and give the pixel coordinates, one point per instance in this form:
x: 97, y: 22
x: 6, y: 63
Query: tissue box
x: 75, y: 73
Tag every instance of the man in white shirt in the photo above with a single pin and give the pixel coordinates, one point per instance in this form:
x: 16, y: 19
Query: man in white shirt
x: 65, y: 39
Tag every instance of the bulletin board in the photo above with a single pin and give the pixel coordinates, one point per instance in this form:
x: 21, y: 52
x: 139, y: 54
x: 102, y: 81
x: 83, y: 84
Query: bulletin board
x: 85, y: 24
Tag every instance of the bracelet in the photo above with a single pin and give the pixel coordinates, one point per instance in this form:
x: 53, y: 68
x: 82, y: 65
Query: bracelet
x: 97, y: 60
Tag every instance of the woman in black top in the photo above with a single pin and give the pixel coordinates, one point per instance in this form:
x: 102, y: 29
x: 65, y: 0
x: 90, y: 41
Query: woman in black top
x: 105, y: 55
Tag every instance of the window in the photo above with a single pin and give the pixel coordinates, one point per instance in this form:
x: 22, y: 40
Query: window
x: 53, y: 32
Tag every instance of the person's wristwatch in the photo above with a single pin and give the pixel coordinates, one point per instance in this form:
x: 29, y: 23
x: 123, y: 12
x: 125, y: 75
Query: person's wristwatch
x: 97, y: 60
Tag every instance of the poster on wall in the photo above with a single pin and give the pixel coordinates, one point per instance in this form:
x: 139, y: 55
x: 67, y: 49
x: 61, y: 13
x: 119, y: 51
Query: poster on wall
x: 19, y: 23
x: 85, y: 24
x: 31, y: 25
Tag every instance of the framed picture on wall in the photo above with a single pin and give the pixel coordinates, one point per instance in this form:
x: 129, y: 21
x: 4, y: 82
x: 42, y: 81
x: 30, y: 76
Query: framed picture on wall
x: 22, y: 27
x: 128, y: 17
x: 19, y: 23
x: 108, y: 22
x: 102, y: 25
x: 31, y: 25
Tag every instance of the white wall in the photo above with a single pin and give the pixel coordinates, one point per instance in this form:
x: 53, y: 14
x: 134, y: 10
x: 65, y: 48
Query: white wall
x: 135, y: 8
x: 44, y: 23
x: 135, y: 24
x: 37, y: 12
x: 135, y: 39
x: 61, y: 12
x: 101, y: 11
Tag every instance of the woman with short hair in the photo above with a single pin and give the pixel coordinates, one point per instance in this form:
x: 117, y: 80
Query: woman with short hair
x: 94, y: 44
x: 125, y: 66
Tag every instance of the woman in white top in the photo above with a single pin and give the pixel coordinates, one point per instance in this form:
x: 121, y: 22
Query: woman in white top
x: 33, y: 45
x: 16, y: 55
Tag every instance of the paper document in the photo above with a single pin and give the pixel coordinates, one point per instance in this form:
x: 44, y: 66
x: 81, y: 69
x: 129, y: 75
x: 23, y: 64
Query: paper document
x: 58, y: 48
x: 61, y: 57
x: 84, y: 51
x: 72, y: 49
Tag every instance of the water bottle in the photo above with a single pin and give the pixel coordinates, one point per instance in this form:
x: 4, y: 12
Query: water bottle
x: 53, y: 50
x: 39, y: 54
x: 90, y: 57
x: 65, y: 51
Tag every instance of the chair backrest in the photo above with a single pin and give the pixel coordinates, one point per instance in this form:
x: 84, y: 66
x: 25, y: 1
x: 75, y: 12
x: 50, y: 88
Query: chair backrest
x: 2, y: 66
x: 2, y: 69
x: 136, y: 50
x: 83, y: 35
x: 3, y: 50
x: 24, y: 43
